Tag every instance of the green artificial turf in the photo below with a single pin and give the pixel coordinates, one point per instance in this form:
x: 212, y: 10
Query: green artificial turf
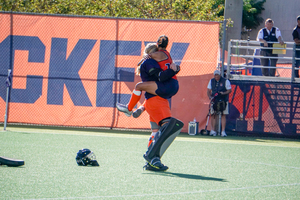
x: 200, y: 167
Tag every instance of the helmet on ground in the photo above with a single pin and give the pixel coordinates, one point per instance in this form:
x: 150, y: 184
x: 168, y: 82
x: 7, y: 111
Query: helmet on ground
x: 86, y: 157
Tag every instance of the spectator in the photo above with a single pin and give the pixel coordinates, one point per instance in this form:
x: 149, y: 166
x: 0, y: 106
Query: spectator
x: 218, y: 89
x: 265, y: 35
x: 296, y: 38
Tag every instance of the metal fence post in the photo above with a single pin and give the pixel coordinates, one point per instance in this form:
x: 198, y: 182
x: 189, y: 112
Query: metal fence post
x: 229, y: 60
x: 7, y: 97
x: 223, y: 47
x: 293, y: 63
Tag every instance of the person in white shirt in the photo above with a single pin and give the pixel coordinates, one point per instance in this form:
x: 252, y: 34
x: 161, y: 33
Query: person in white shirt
x: 265, y: 35
x: 218, y: 90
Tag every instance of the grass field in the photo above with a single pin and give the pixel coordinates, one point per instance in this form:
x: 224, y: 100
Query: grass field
x: 200, y: 167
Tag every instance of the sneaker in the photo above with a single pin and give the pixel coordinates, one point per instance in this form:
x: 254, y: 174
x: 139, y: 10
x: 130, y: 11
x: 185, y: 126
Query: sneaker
x: 155, y: 165
x: 123, y: 108
x: 138, y: 112
x: 213, y: 133
x: 223, y: 134
x: 150, y: 168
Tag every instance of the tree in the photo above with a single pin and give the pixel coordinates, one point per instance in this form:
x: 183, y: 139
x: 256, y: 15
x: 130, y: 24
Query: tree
x: 203, y: 10
x: 251, y: 11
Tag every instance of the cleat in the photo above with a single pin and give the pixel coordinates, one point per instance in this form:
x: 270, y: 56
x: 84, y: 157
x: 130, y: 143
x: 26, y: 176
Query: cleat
x: 147, y: 166
x: 213, y: 133
x: 138, y: 112
x: 155, y: 165
x: 223, y: 134
x: 150, y: 168
x: 123, y: 108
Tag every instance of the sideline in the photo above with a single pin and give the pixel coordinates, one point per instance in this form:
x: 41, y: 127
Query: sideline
x: 144, y: 134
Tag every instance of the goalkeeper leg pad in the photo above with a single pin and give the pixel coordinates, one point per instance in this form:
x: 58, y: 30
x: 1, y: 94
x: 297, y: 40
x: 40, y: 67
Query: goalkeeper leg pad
x: 164, y: 138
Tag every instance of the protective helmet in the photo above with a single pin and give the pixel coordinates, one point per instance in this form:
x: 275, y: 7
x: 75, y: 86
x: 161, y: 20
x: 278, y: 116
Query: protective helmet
x: 86, y: 157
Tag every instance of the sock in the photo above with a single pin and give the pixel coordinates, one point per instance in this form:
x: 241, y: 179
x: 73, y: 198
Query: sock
x: 135, y: 97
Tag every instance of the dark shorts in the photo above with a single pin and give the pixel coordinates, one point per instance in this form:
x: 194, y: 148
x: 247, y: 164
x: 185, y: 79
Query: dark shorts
x: 167, y: 89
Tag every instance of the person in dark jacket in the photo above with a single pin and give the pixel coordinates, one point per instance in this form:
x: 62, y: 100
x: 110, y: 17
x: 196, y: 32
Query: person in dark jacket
x: 265, y: 35
x: 296, y: 38
x: 218, y: 89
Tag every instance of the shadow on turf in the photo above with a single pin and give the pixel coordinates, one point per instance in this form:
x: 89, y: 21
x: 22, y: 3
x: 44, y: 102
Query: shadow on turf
x: 188, y: 176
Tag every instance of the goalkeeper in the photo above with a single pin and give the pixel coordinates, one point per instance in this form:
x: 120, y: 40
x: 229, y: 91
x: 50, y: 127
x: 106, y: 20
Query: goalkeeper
x: 157, y: 106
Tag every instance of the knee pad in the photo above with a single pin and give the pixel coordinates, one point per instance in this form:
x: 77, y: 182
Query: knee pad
x: 166, y: 135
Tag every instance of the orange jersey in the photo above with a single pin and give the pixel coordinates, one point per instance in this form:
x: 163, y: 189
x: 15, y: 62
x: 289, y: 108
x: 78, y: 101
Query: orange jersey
x: 165, y: 64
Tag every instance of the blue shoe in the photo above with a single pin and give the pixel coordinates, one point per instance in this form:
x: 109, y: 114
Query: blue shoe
x: 138, y: 112
x: 150, y: 168
x: 155, y: 165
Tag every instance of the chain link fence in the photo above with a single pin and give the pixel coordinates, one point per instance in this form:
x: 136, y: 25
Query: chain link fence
x: 72, y: 70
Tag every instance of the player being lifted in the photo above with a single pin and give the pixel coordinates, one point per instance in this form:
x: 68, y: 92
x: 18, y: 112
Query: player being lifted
x: 163, y: 57
x: 157, y: 106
